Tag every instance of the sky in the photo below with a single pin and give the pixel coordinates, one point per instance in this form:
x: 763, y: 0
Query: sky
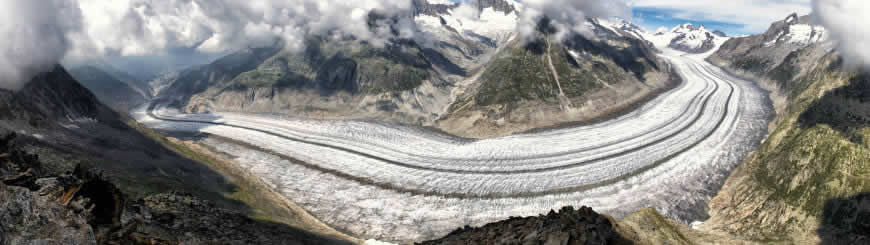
x: 734, y: 17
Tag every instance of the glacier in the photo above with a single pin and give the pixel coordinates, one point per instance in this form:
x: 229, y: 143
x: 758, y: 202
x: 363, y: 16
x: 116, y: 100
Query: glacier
x: 400, y: 183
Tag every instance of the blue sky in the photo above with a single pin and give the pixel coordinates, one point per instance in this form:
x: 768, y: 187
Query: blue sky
x: 735, y: 17
x: 653, y: 18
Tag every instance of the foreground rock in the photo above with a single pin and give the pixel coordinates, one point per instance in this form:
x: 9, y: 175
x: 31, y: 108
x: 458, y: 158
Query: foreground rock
x: 568, y: 226
x: 79, y: 207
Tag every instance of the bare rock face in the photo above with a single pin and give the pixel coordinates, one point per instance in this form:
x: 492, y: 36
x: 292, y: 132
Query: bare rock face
x: 568, y: 226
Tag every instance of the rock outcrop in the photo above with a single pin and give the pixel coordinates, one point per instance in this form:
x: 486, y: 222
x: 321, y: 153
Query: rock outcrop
x: 568, y: 226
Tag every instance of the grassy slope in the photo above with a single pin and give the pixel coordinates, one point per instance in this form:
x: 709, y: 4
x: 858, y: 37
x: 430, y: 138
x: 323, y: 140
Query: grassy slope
x: 386, y: 69
x: 265, y: 204
x: 779, y: 192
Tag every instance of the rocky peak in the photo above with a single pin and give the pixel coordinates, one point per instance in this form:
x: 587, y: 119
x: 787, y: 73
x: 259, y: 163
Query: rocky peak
x: 50, y: 97
x: 794, y: 30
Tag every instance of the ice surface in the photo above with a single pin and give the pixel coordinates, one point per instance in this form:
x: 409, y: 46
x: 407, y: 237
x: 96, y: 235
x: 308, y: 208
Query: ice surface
x: 398, y: 183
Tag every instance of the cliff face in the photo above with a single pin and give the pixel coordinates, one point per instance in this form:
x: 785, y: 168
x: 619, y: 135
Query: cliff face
x: 817, y: 158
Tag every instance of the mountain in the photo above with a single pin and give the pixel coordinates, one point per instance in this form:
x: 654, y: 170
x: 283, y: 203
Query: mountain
x: 51, y: 98
x: 689, y: 38
x: 546, y: 82
x: 808, y: 182
x: 459, y: 75
x: 162, y: 81
x: 54, y: 127
x: 119, y: 95
x: 759, y: 54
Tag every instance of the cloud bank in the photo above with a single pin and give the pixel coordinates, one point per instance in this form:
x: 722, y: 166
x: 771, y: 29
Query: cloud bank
x: 39, y: 34
x: 142, y: 27
x: 846, y: 20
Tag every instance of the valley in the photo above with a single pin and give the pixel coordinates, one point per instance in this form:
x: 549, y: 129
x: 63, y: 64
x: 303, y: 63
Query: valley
x: 384, y: 122
x: 408, y: 182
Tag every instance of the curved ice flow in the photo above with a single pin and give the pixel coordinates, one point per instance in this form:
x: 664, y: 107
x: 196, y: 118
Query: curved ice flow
x: 679, y: 142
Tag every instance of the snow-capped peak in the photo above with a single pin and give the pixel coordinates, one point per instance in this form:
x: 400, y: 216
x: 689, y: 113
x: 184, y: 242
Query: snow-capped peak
x: 686, y: 37
x: 620, y: 27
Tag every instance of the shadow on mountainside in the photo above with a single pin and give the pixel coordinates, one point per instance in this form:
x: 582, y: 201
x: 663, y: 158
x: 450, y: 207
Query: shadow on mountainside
x: 845, y: 109
x: 846, y: 221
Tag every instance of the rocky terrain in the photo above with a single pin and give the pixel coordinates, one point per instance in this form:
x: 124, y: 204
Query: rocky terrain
x: 808, y: 181
x: 585, y: 226
x: 70, y: 130
x: 568, y: 226
x: 80, y: 207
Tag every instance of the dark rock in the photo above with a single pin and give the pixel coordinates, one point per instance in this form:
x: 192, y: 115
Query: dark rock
x: 568, y: 226
x: 81, y: 207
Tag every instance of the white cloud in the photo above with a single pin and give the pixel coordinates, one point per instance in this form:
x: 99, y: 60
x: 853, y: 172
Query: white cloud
x: 141, y: 27
x: 34, y: 37
x: 38, y: 34
x: 846, y: 19
x: 567, y: 15
x: 755, y: 15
